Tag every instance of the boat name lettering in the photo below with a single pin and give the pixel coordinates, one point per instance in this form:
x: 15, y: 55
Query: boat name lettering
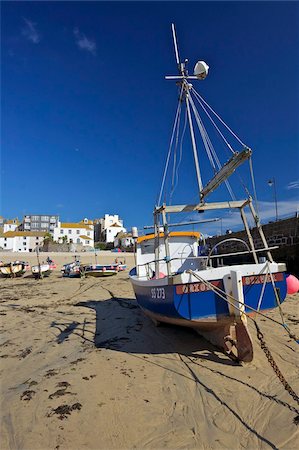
x: 195, y: 287
x: 158, y: 293
x: 259, y: 279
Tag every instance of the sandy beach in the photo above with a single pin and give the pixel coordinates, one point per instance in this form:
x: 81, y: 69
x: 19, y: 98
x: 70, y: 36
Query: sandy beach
x: 83, y: 368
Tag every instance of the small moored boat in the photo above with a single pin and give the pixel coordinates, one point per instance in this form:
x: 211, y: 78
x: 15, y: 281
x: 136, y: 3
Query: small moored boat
x: 13, y: 269
x: 41, y: 270
x: 100, y: 270
x: 72, y: 270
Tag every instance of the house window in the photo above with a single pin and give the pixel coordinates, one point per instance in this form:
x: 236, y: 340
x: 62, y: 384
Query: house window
x: 78, y: 241
x: 88, y: 233
x: 87, y: 242
x: 4, y: 245
x: 61, y: 231
x: 70, y: 231
x: 24, y: 243
x: 78, y: 231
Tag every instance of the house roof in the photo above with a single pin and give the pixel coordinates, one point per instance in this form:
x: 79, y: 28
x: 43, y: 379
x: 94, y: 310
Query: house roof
x: 75, y: 225
x: 13, y: 222
x: 24, y: 233
x: 115, y: 224
x: 85, y: 237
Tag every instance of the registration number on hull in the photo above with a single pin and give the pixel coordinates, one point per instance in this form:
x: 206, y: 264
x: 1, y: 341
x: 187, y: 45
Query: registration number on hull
x: 158, y: 293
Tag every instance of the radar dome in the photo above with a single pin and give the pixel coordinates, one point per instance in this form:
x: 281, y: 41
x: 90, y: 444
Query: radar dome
x: 201, y: 70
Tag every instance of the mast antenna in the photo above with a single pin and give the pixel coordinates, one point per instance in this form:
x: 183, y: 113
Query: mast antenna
x: 175, y: 45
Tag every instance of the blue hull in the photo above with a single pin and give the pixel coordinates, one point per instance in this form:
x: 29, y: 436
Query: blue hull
x: 190, y: 303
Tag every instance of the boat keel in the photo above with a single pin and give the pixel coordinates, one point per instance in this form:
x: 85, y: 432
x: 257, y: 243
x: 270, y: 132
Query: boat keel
x: 234, y: 339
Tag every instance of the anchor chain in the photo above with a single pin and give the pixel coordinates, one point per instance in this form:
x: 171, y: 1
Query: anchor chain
x: 276, y: 370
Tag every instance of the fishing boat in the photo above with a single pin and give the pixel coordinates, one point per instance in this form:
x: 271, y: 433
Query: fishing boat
x: 41, y: 270
x: 173, y: 281
x: 103, y: 270
x: 72, y: 270
x: 100, y: 270
x: 121, y: 267
x: 13, y: 269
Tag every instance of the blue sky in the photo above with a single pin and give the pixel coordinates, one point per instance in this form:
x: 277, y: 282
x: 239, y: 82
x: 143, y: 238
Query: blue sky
x: 87, y: 114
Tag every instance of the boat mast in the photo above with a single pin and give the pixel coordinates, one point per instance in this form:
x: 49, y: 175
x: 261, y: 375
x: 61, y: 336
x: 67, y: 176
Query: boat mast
x: 198, y: 175
x: 186, y: 88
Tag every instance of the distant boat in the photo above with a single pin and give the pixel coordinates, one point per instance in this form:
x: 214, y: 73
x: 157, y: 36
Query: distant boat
x: 13, y: 269
x: 173, y: 283
x: 72, y: 270
x: 41, y: 270
x: 100, y: 270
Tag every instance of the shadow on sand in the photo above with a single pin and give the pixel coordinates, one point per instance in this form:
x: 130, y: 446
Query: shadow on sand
x: 121, y: 325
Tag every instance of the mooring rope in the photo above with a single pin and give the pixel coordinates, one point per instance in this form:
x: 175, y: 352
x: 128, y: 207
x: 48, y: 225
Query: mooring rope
x: 260, y: 335
x: 222, y: 294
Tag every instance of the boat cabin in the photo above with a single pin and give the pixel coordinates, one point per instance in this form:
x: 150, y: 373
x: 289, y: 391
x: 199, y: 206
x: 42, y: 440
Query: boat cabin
x: 183, y: 254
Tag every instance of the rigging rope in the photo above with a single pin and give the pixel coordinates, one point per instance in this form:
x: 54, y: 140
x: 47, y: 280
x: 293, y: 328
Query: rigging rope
x: 169, y: 149
x: 218, y: 117
x: 253, y: 185
x: 175, y: 153
x: 209, y: 146
x: 180, y: 160
x: 213, y: 122
x: 201, y: 101
x: 222, y: 294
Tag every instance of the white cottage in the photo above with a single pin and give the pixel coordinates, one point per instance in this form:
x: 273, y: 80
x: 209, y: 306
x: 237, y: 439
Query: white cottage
x: 110, y: 226
x: 76, y: 233
x: 21, y: 241
x: 11, y: 225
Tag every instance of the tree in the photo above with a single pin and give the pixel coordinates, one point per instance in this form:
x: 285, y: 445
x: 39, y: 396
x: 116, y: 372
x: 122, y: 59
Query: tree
x: 48, y: 237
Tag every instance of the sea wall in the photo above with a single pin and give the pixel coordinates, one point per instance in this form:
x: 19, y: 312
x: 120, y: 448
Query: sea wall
x: 282, y: 233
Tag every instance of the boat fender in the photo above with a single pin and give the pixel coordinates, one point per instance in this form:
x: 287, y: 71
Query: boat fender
x: 292, y: 284
x: 161, y: 275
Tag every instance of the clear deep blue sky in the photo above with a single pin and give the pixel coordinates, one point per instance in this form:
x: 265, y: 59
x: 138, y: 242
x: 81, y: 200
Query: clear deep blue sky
x: 87, y: 113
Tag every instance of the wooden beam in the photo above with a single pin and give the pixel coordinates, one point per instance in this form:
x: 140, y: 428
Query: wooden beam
x: 201, y: 206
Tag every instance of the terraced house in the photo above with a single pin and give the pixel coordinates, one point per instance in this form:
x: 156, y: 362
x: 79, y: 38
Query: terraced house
x: 21, y: 241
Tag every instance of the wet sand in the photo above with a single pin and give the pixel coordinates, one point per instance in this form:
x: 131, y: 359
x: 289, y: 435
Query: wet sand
x: 83, y: 368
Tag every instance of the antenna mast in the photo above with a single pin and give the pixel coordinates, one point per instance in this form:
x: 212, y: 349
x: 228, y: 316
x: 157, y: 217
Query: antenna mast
x: 175, y: 45
x: 187, y: 86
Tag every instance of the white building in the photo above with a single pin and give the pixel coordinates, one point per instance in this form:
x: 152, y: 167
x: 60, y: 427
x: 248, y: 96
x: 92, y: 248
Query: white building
x: 76, y: 233
x: 110, y: 226
x: 21, y: 241
x: 124, y: 241
x: 10, y: 225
